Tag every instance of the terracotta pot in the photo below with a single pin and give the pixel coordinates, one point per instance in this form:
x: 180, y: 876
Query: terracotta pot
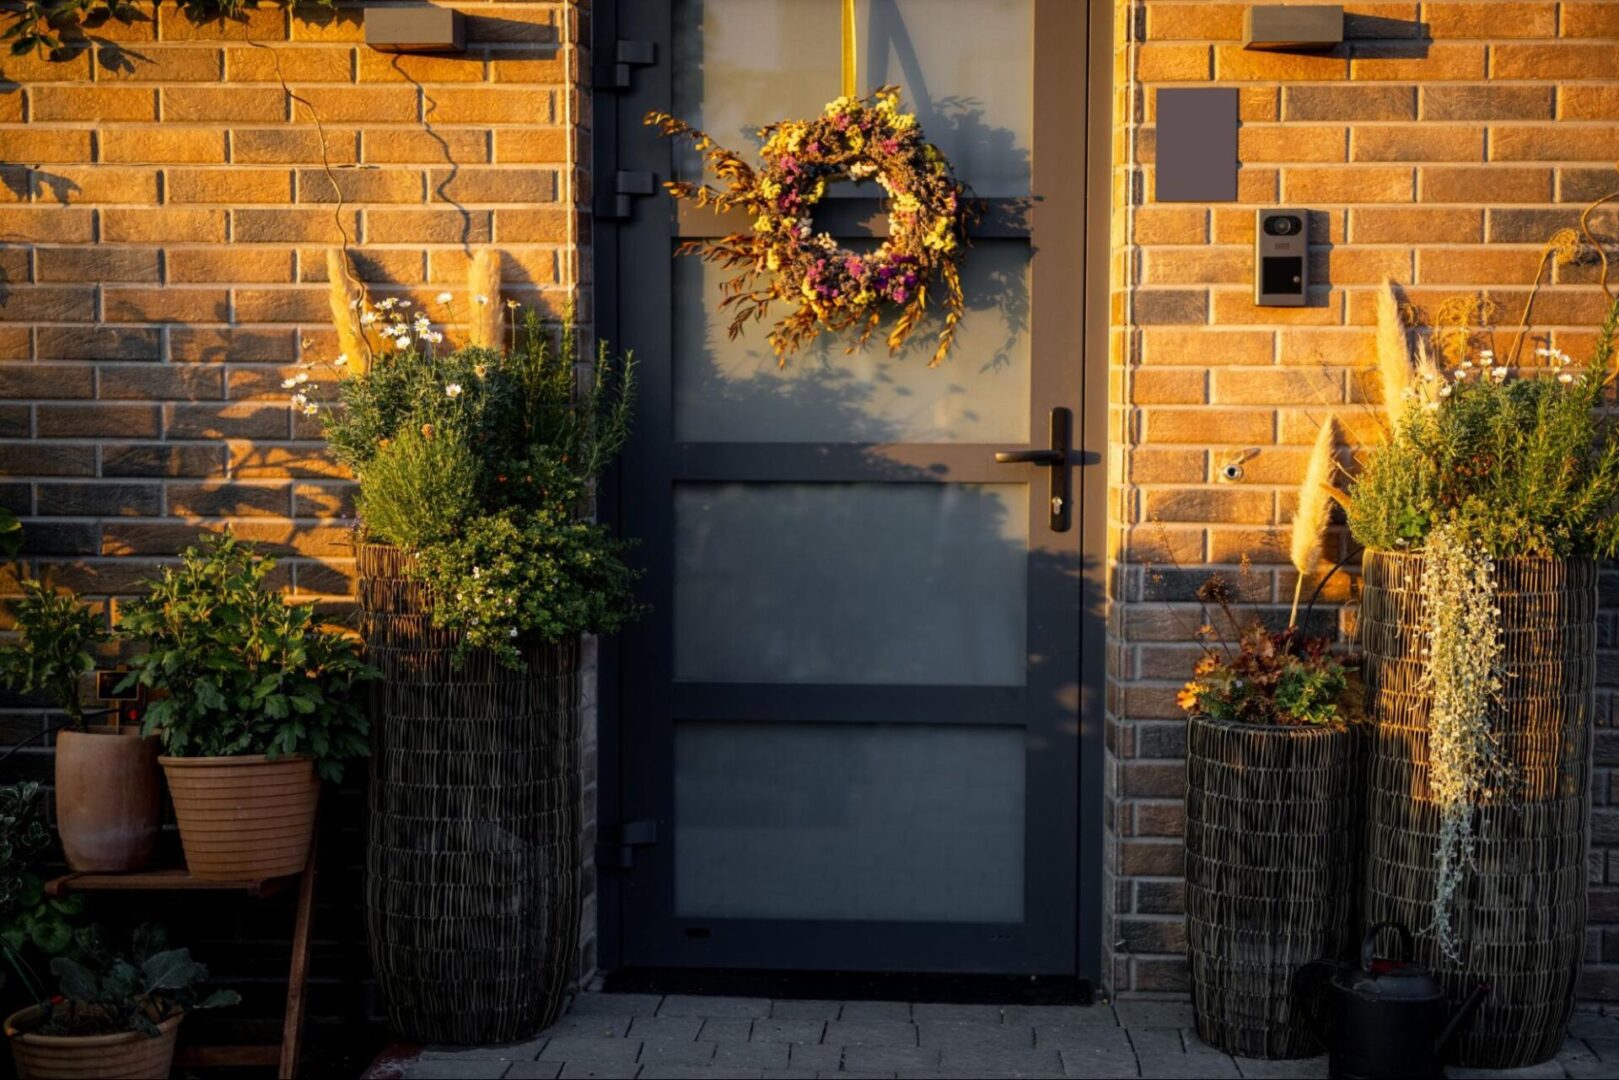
x: 107, y: 798
x: 128, y: 1055
x: 243, y: 818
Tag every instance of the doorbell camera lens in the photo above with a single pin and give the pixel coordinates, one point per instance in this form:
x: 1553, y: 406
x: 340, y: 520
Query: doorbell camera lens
x: 1283, y: 225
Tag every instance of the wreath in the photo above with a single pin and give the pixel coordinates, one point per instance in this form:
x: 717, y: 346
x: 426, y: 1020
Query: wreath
x: 784, y: 258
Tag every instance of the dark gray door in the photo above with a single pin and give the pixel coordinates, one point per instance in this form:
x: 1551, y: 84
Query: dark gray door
x: 848, y: 735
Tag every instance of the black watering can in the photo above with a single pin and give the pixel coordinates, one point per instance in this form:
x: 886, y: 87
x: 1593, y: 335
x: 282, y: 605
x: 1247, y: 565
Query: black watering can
x: 1385, y: 1019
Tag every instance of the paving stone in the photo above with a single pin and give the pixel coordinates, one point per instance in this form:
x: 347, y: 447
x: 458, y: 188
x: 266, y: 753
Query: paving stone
x: 752, y: 1055
x: 527, y: 1050
x: 1597, y: 1025
x: 1575, y: 1050
x: 726, y: 1030
x: 1590, y: 1070
x: 1160, y: 1053
x: 791, y: 1009
x: 889, y: 1059
x: 657, y: 1053
x: 819, y: 1058
x: 869, y: 1033
x: 679, y: 1072
x: 592, y: 1053
x: 1097, y: 1064
x: 1605, y: 1049
x: 587, y: 1026
x: 1002, y: 1036
x: 1036, y: 1015
x: 667, y: 1028
x: 1154, y: 1014
x: 875, y: 1010
x: 788, y: 1031
x: 534, y: 1070
x: 588, y: 1004
x: 1084, y: 1037
x: 1531, y: 1072
x: 465, y: 1068
x: 588, y: 1072
x: 982, y: 1060
x: 955, y: 1014
x: 693, y: 1005
x: 1288, y: 1069
x: 789, y: 1074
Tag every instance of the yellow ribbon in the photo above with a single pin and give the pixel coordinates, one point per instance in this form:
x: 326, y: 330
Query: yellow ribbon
x: 849, y: 89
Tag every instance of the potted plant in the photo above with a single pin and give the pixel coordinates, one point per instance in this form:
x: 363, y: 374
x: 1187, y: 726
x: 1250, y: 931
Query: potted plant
x: 1483, y: 514
x: 1273, y: 813
x: 107, y: 797
x: 30, y: 922
x: 255, y: 703
x: 115, y: 1016
x: 480, y: 572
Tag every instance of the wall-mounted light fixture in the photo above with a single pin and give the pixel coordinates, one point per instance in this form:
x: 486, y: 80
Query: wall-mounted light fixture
x: 422, y: 28
x: 1292, y: 27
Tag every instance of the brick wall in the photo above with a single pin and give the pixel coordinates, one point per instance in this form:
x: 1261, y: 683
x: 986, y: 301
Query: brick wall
x: 164, y: 219
x: 1442, y: 145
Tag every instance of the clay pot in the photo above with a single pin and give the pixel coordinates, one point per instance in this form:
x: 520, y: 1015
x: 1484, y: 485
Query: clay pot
x: 107, y: 798
x: 128, y: 1055
x: 243, y: 818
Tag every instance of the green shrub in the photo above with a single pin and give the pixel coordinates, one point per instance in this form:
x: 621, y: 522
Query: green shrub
x: 418, y: 486
x: 107, y: 991
x: 29, y: 920
x: 241, y: 671
x: 1522, y: 466
x: 52, y: 651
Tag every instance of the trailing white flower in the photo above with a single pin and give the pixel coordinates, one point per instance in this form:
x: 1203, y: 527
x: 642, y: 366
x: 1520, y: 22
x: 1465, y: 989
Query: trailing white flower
x: 1462, y: 675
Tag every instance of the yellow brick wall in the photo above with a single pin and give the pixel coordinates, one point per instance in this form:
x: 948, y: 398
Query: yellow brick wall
x: 164, y: 219
x: 1441, y: 145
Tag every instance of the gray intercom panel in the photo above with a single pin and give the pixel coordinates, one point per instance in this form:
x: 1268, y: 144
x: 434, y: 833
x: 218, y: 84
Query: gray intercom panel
x: 1281, y: 257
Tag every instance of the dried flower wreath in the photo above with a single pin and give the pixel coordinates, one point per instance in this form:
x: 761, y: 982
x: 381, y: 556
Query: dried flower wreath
x: 784, y: 258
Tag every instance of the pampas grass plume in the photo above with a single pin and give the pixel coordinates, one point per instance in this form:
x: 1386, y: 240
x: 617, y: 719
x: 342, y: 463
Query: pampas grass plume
x: 1393, y: 352
x: 346, y: 297
x: 1315, y: 508
x: 483, y: 287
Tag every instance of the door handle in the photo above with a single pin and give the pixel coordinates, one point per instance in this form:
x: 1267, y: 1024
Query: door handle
x: 1054, y: 457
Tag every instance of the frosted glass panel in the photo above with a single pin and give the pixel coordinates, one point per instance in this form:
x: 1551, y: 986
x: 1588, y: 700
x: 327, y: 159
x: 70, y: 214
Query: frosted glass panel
x: 849, y: 821
x: 910, y: 584
x: 735, y: 391
x: 964, y: 66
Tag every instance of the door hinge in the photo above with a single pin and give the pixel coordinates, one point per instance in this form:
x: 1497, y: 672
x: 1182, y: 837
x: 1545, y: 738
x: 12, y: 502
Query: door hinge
x: 627, y: 187
x: 617, y: 69
x: 616, y: 851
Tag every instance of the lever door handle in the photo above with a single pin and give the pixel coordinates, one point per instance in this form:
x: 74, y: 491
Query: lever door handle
x: 1031, y: 457
x: 1053, y: 457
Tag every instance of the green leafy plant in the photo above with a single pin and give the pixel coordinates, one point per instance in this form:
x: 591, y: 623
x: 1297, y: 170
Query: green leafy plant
x: 107, y: 991
x: 240, y: 671
x: 10, y: 534
x: 483, y: 463
x: 1522, y: 466
x: 63, y: 28
x: 29, y: 920
x: 57, y: 633
x: 1253, y: 675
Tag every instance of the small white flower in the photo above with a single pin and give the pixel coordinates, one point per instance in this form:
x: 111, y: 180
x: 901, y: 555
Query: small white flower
x: 453, y: 390
x: 300, y: 400
x: 512, y: 632
x: 1487, y: 354
x: 368, y: 318
x: 1444, y: 391
x: 341, y: 361
x: 1565, y: 377
x: 388, y: 303
x: 302, y: 377
x: 434, y: 336
x: 404, y: 303
x: 311, y: 409
x: 481, y: 299
x: 288, y: 384
x: 1500, y: 373
x: 445, y: 298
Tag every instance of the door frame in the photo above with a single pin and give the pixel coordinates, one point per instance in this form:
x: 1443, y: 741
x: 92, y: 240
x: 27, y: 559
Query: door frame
x: 1088, y: 226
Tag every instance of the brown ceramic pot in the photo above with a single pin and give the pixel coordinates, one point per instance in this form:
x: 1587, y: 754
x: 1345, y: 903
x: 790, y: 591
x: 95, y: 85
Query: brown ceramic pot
x: 128, y: 1055
x: 107, y: 798
x: 243, y: 818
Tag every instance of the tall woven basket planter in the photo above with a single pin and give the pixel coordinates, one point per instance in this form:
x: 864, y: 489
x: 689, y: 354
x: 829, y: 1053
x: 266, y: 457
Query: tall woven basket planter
x: 1519, y: 916
x: 1273, y: 823
x: 473, y: 860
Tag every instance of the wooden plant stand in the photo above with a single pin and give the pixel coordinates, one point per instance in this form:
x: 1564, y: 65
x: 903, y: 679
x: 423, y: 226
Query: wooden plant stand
x: 285, y: 1055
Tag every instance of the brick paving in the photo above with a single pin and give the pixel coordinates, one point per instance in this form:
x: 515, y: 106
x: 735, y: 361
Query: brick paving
x: 648, y: 1036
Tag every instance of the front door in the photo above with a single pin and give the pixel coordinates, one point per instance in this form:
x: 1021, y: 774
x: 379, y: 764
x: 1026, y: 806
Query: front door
x: 848, y: 734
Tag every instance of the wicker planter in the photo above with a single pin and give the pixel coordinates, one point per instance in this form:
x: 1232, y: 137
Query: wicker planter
x: 128, y: 1055
x: 1272, y: 852
x: 1519, y: 917
x: 243, y: 818
x: 473, y: 863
